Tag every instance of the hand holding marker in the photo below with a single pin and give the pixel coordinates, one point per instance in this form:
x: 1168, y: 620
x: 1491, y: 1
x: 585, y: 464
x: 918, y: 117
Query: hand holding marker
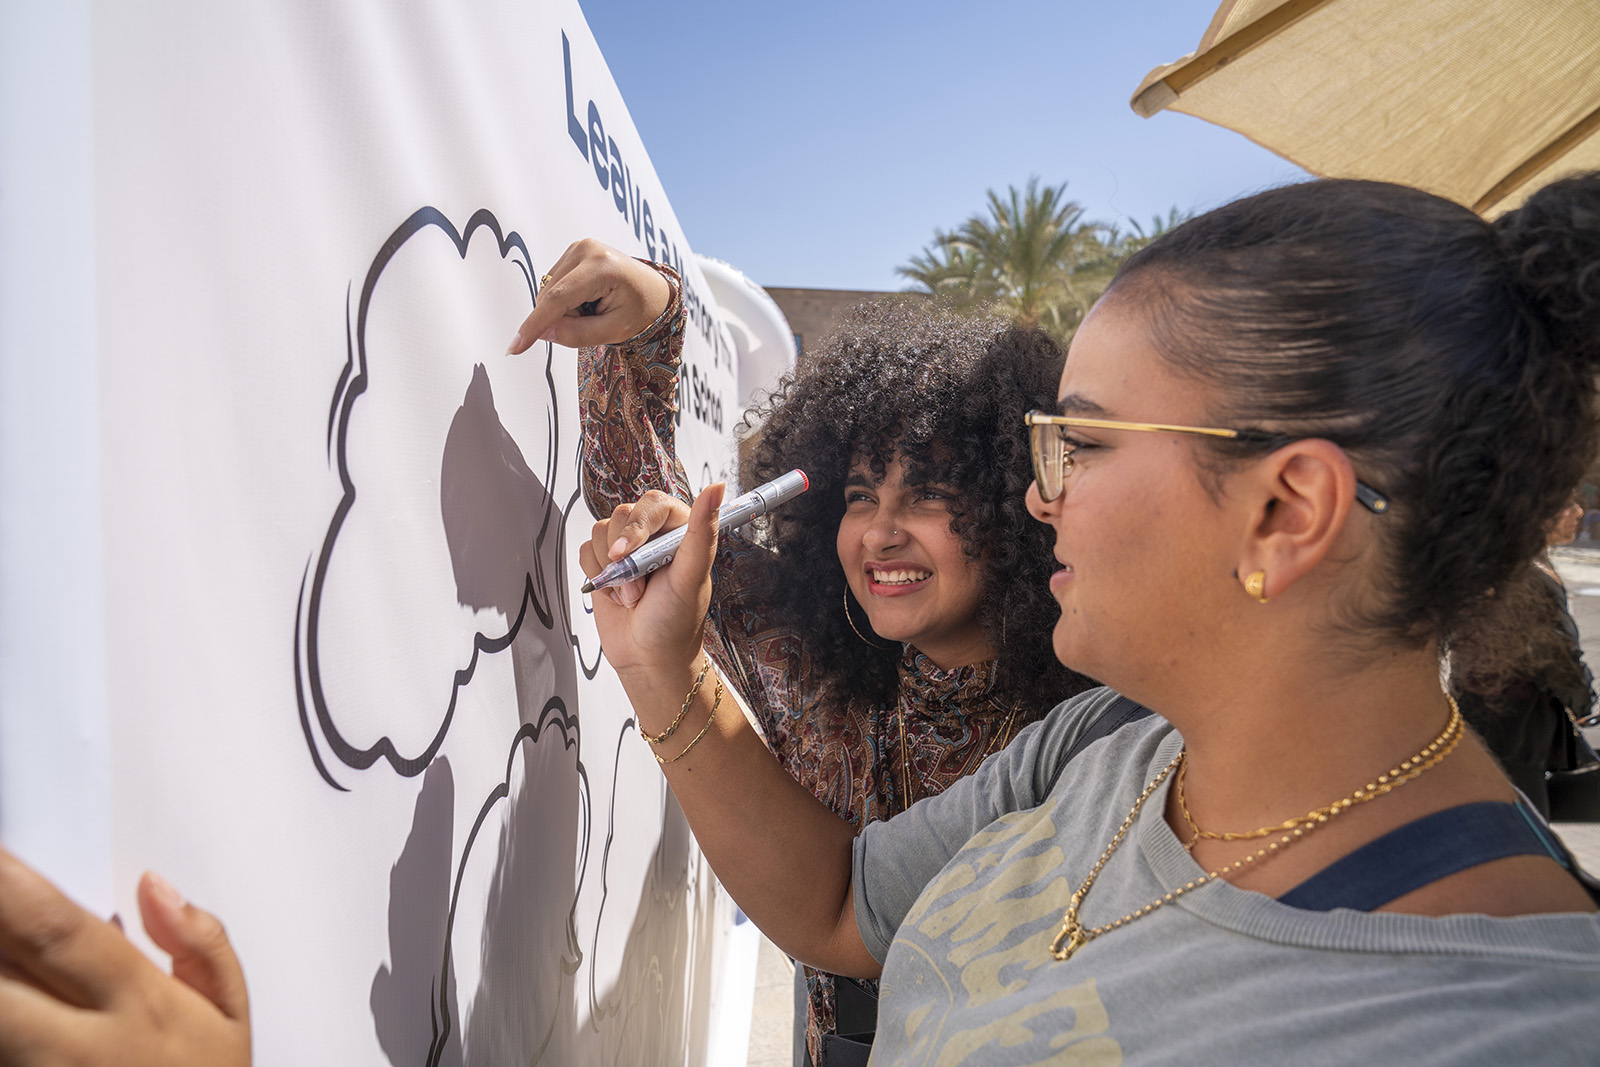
x: 658, y: 553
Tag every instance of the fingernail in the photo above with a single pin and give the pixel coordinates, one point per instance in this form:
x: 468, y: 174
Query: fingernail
x: 516, y: 343
x: 618, y: 547
x: 630, y: 593
x: 165, y: 893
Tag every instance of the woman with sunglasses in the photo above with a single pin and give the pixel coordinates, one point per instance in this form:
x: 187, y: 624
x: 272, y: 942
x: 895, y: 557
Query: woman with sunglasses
x: 1295, y: 447
x: 891, y: 630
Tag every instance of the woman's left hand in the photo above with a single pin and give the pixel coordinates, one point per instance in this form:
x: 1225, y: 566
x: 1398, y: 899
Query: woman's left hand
x: 594, y: 295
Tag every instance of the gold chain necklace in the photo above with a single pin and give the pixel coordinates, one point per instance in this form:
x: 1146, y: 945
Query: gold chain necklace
x: 1426, y: 757
x: 1073, y: 935
x: 994, y: 746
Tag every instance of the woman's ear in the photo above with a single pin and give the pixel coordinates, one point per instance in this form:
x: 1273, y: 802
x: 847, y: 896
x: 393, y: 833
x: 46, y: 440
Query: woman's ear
x: 1300, y: 497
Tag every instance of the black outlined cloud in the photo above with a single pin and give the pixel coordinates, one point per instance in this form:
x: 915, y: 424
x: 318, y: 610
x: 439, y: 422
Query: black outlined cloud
x: 359, y: 733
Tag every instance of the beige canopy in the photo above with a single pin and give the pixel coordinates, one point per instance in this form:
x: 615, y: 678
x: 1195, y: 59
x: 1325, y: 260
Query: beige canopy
x: 1480, y: 101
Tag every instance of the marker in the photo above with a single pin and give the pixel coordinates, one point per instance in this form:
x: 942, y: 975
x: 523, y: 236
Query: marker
x: 658, y: 552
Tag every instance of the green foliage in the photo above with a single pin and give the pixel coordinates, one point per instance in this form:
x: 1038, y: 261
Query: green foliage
x: 1033, y: 258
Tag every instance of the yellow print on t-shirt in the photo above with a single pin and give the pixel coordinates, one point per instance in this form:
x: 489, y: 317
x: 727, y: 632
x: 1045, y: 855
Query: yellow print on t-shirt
x: 1027, y: 885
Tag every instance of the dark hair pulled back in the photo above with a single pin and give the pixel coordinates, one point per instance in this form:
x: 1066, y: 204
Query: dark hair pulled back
x: 945, y: 395
x: 1453, y: 359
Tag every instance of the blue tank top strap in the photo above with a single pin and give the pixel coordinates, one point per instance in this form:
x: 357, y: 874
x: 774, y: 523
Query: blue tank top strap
x: 1424, y: 851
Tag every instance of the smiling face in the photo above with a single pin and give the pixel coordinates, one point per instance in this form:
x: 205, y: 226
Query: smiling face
x: 1146, y: 553
x: 907, y: 569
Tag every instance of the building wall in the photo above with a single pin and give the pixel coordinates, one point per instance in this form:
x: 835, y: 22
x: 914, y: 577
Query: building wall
x: 813, y: 312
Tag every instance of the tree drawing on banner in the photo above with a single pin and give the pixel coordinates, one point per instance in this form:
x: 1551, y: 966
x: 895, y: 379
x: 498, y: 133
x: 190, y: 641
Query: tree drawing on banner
x: 446, y: 551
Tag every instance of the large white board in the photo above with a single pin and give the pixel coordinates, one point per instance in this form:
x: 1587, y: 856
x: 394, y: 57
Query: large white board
x: 325, y: 663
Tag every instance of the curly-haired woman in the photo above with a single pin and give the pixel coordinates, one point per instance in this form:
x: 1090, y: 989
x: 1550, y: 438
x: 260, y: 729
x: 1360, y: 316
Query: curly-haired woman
x: 1295, y: 447
x: 891, y: 630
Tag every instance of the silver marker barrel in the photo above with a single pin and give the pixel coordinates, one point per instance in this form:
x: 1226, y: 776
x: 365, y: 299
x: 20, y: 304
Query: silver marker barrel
x: 658, y: 552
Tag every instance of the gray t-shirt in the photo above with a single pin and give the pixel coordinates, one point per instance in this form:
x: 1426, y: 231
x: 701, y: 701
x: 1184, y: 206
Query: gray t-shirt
x: 960, y: 896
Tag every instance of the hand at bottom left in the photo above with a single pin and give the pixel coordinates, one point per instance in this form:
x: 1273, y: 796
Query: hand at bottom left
x: 74, y: 990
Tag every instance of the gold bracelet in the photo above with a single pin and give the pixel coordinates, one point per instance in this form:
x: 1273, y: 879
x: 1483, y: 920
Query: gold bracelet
x: 693, y: 689
x: 716, y: 702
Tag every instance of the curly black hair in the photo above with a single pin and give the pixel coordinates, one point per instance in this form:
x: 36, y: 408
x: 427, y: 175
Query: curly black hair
x: 945, y: 395
x: 1454, y: 359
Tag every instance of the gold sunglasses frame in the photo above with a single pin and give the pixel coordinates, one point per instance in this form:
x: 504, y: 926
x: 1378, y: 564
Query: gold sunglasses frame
x: 1369, y: 497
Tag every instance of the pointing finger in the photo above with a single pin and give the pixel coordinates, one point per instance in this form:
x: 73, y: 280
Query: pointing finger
x: 549, y: 305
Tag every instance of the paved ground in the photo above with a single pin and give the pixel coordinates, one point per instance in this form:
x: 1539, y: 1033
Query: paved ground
x: 772, y: 1016
x: 770, y: 1027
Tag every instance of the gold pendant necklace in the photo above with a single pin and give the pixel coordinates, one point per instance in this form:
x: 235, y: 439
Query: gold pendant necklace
x: 905, y: 761
x: 1073, y: 935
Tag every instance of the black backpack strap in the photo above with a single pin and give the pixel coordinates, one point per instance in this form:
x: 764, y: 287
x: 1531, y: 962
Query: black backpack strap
x: 856, y: 1020
x: 1590, y: 883
x: 1121, y: 712
x: 840, y: 1051
x: 1423, y: 851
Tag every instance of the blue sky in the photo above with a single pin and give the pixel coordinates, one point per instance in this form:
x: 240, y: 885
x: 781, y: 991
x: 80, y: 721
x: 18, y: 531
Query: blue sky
x: 820, y: 144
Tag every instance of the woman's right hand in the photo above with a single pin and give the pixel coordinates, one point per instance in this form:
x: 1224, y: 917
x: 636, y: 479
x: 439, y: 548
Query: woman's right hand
x: 753, y: 821
x: 594, y: 295
x: 657, y: 622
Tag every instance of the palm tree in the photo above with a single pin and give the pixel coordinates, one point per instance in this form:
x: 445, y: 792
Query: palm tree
x: 953, y: 272
x: 1128, y: 244
x: 1094, y: 273
x: 1019, y: 259
x: 1032, y: 258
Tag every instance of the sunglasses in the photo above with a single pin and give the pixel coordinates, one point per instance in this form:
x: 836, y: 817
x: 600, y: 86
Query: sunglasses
x: 1052, y: 451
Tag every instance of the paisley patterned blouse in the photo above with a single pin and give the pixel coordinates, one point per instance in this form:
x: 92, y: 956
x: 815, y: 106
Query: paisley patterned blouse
x: 862, y: 762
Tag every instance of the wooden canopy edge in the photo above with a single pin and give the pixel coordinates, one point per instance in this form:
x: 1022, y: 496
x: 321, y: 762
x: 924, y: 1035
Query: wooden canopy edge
x: 1162, y: 86
x: 1537, y: 162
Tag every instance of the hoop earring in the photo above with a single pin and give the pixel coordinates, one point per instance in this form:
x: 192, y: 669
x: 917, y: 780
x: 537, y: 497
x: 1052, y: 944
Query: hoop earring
x: 852, y: 622
x: 1255, y: 584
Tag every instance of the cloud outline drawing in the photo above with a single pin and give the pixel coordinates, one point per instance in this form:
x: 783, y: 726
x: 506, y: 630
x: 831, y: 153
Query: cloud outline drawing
x: 544, y: 593
x: 443, y: 1009
x: 312, y: 704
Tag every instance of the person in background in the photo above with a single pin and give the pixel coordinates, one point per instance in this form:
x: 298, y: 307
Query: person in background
x: 1564, y: 530
x: 890, y: 627
x: 1523, y: 684
x: 1295, y: 448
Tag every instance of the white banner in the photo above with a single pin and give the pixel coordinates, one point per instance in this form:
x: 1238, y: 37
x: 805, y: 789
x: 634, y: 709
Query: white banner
x: 348, y: 696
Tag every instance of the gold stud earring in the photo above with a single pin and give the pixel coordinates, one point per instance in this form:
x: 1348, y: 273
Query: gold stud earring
x: 1255, y: 584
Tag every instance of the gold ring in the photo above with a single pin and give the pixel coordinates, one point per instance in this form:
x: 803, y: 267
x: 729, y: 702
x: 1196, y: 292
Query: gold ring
x: 544, y: 281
